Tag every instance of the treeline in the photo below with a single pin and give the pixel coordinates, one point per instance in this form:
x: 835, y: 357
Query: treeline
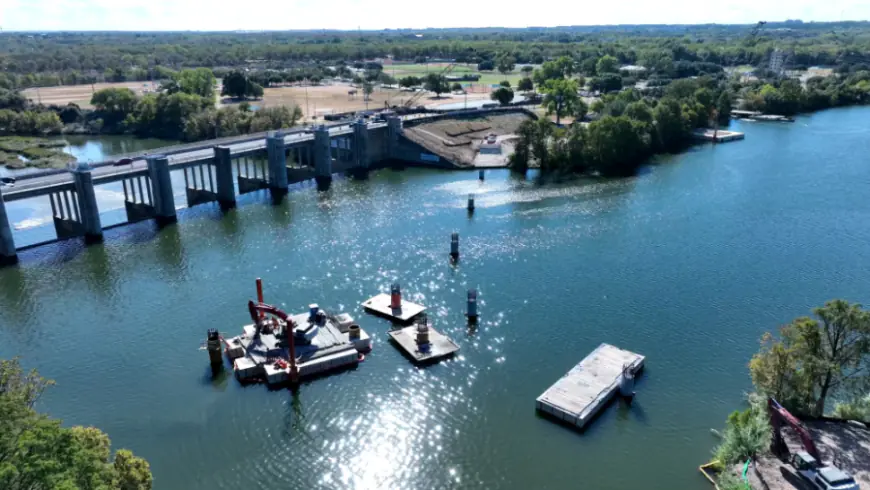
x: 184, y: 109
x: 628, y: 129
x: 788, y: 97
x: 182, y: 116
x: 53, y: 58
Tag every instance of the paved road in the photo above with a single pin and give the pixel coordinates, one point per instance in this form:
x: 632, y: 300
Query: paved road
x: 26, y: 187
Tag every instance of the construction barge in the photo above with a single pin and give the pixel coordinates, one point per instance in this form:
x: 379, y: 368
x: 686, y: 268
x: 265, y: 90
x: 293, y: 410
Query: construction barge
x: 278, y: 348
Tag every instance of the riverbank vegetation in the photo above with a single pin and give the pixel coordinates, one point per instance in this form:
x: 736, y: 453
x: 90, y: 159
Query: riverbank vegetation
x: 809, y: 363
x: 630, y: 128
x: 184, y: 109
x: 36, y: 452
x: 18, y: 152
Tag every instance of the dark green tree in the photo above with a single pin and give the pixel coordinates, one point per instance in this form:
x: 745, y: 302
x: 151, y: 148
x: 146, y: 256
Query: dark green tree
x: 671, y: 130
x: 503, y: 95
x: 437, y: 83
x: 36, y: 452
x: 525, y: 85
x: 607, y: 64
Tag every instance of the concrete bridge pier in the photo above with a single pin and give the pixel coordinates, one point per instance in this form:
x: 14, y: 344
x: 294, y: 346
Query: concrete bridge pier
x: 163, y: 198
x: 89, y: 212
x: 8, y: 255
x: 223, y: 163
x: 277, y: 155
x: 394, y: 129
x: 361, y: 157
x: 322, y: 158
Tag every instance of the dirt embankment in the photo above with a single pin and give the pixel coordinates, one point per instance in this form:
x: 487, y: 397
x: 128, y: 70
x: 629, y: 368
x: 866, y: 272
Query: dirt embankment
x: 460, y: 139
x: 843, y: 445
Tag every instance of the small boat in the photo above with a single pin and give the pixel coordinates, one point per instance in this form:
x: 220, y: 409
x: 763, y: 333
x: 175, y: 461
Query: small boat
x: 7, y: 180
x: 123, y: 161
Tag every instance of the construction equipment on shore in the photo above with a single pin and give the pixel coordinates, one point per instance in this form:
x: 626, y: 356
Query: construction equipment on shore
x: 807, y: 463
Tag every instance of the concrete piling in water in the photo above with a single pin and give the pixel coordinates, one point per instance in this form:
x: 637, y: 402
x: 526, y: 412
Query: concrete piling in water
x: 277, y: 155
x: 164, y: 199
x: 361, y: 159
x: 322, y: 157
x: 454, y: 246
x: 471, y: 310
x: 395, y: 296
x: 89, y: 212
x: 213, y: 344
x: 471, y: 203
x: 626, y: 384
x: 226, y: 192
x: 8, y: 255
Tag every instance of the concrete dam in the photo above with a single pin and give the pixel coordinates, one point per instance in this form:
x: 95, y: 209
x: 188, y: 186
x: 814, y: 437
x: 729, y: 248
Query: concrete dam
x: 219, y: 171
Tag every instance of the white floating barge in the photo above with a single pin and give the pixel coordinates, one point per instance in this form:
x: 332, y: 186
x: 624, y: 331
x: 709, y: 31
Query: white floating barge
x: 392, y: 306
x: 720, y: 136
x: 588, y: 386
x: 423, y: 344
x: 321, y: 342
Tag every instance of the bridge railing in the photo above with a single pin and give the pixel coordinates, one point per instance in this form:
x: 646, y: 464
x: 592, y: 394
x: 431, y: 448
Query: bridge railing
x: 181, y: 148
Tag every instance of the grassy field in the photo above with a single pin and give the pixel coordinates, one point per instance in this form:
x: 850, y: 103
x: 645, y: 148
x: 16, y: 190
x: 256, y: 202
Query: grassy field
x: 419, y: 70
x: 80, y: 94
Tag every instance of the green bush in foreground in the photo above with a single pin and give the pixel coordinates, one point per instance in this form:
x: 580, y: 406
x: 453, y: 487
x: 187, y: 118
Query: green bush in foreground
x: 747, y: 434
x: 37, y: 453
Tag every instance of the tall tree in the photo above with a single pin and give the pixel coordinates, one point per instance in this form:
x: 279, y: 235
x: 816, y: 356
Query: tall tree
x: 238, y: 85
x: 525, y: 85
x: 503, y: 95
x: 815, y: 359
x: 560, y: 97
x: 506, y: 64
x: 607, y: 64
x: 437, y: 83
x: 199, y: 81
x: 36, y: 452
x: 671, y: 130
x: 723, y: 107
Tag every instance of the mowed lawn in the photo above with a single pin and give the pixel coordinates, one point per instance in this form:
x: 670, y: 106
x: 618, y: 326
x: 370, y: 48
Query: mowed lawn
x: 421, y: 69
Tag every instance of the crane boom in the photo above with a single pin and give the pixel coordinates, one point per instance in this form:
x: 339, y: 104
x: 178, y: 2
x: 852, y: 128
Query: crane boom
x: 256, y: 309
x: 778, y: 416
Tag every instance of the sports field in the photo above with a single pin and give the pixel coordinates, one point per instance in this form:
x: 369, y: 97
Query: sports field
x: 420, y: 70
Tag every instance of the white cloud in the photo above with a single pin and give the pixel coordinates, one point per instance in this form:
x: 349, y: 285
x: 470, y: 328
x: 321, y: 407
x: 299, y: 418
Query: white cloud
x: 350, y: 14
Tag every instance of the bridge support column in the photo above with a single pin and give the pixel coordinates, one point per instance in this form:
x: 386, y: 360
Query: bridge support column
x: 322, y: 157
x: 8, y: 255
x: 89, y: 212
x: 223, y: 165
x: 277, y: 163
x: 361, y: 156
x: 394, y: 129
x: 164, y: 200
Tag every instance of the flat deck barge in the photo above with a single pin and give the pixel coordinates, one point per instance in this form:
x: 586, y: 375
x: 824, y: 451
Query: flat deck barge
x: 423, y: 346
x: 581, y: 393
x: 322, y: 343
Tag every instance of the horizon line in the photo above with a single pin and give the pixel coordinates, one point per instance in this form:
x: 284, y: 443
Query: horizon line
x: 417, y: 29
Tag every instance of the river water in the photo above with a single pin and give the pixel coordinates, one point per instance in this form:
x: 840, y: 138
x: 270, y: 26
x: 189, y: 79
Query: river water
x: 688, y: 264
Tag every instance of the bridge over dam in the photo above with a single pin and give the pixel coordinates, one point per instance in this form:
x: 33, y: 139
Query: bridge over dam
x: 218, y: 171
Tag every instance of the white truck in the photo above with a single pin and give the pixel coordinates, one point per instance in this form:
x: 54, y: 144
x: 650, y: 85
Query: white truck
x: 819, y: 476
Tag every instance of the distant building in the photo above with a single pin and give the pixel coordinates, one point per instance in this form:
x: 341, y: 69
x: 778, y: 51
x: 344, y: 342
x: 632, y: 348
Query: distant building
x: 633, y: 68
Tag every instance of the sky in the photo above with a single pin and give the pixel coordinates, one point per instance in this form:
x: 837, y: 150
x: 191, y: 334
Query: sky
x: 223, y: 15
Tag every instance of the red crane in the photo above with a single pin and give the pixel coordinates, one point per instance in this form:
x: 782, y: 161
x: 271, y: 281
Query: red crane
x: 778, y: 416
x: 257, y: 310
